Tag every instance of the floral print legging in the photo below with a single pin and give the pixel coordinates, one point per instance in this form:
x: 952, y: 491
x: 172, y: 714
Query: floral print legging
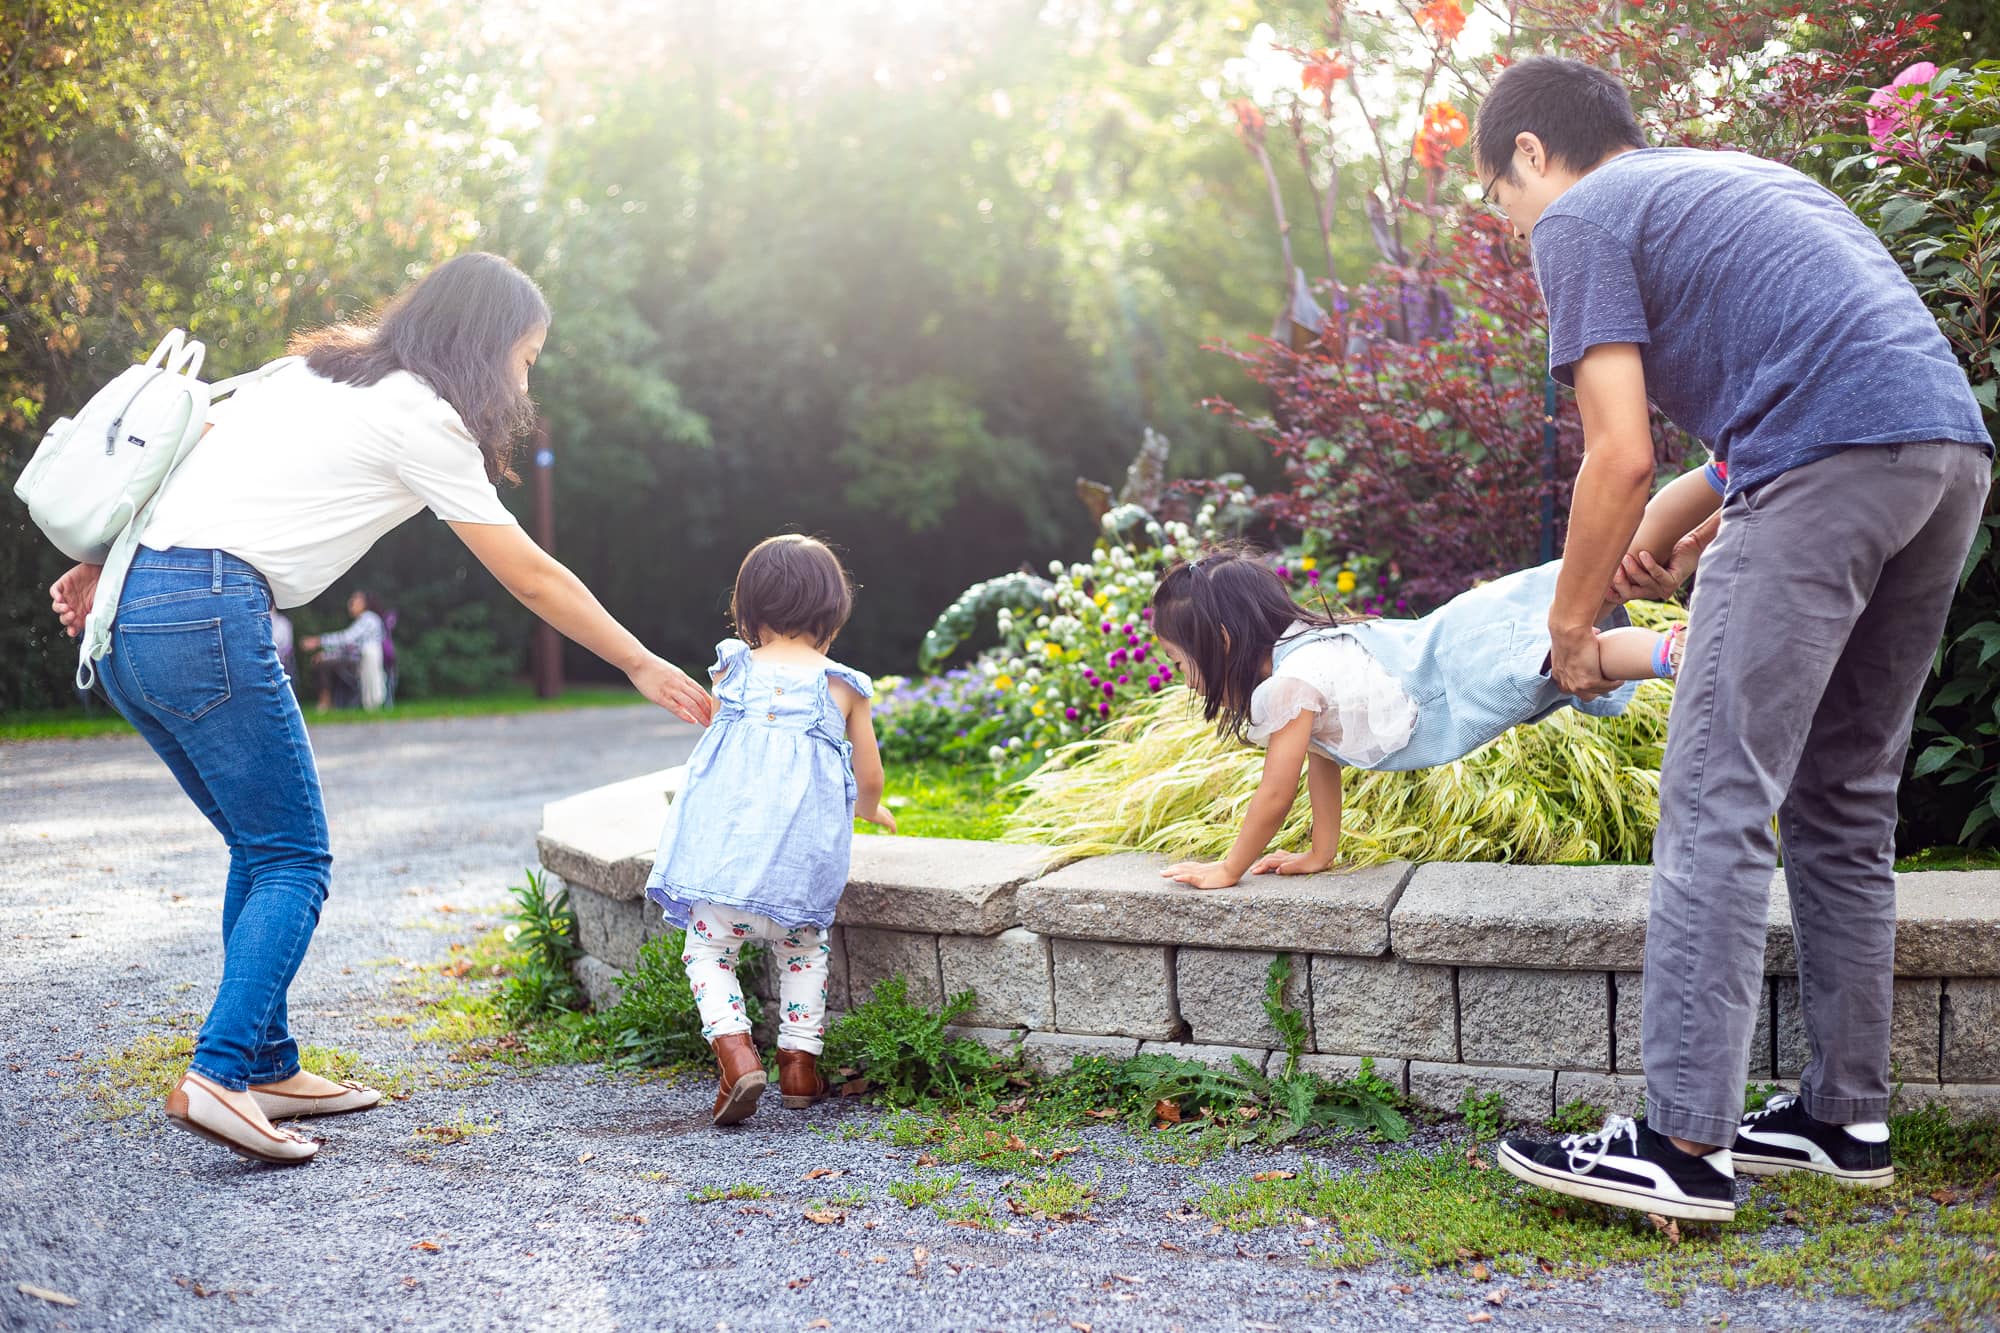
x: 715, y: 940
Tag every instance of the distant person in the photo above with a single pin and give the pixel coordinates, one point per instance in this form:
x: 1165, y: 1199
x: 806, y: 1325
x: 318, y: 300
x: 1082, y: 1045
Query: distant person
x: 281, y: 639
x: 757, y: 846
x: 346, y: 656
x: 298, y: 476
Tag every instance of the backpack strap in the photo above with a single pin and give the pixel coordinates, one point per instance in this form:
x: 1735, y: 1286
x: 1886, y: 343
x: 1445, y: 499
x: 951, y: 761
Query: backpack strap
x: 249, y: 377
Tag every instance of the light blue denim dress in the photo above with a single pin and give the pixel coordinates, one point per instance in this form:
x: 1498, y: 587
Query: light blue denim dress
x: 766, y: 820
x: 1474, y: 667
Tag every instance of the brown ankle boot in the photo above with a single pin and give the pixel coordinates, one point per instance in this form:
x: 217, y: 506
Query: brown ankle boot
x: 742, y: 1078
x: 799, y: 1078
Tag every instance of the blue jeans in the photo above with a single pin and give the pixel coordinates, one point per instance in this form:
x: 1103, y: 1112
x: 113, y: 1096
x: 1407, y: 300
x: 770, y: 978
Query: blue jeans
x: 193, y: 667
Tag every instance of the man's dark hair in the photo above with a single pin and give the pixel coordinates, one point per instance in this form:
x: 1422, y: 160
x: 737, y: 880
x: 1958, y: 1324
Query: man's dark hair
x: 1579, y: 112
x: 791, y: 585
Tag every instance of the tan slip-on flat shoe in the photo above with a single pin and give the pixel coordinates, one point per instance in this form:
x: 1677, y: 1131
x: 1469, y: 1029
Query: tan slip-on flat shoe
x: 194, y: 1106
x: 294, y: 1106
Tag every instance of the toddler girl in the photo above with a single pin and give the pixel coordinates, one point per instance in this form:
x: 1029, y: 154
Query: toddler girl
x: 1321, y: 691
x: 757, y: 845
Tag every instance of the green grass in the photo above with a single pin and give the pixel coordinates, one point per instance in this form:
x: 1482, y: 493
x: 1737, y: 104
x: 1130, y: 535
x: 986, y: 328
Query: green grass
x: 724, y: 1193
x: 137, y: 1077
x: 71, y: 724
x: 457, y: 1129
x: 1952, y: 858
x: 933, y: 799
x: 1053, y: 1196
x: 925, y: 1189
x: 1933, y: 1237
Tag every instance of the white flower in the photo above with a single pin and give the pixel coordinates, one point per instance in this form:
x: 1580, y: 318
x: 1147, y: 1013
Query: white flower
x: 1041, y: 622
x: 996, y: 754
x: 1170, y: 552
x: 1055, y: 569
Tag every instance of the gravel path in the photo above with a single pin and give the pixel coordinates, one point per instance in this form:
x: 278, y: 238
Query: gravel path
x: 574, y: 1212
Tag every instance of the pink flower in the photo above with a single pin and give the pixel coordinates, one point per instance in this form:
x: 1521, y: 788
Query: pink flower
x: 1890, y: 113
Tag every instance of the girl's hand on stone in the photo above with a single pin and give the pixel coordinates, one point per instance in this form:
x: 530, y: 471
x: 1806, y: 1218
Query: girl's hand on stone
x: 1201, y: 874
x: 668, y: 686
x: 881, y: 816
x: 1292, y: 863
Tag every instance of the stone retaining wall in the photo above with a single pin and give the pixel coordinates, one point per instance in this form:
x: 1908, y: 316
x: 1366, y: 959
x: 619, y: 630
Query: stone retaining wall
x: 1521, y: 980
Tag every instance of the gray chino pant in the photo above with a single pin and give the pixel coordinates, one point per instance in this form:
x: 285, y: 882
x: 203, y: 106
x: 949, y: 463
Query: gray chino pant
x: 1815, y: 622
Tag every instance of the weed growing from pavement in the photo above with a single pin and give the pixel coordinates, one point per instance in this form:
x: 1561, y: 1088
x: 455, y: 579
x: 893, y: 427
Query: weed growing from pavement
x: 727, y: 1193
x: 1577, y: 1117
x: 1054, y: 1196
x: 457, y: 1129
x: 924, y: 1189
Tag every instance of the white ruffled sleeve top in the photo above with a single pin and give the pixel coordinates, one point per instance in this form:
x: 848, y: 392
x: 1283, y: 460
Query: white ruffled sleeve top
x: 1364, y: 714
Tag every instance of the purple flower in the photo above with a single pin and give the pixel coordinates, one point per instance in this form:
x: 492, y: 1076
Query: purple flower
x: 1105, y: 628
x: 1284, y: 573
x: 1146, y: 613
x: 1139, y: 656
x: 1104, y: 710
x: 1153, y: 684
x: 1071, y: 713
x: 1312, y: 577
x: 1109, y: 690
x: 1124, y: 680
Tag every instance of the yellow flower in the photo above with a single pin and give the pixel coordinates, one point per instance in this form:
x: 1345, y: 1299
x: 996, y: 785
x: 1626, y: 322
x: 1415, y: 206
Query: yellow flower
x: 1055, y: 650
x: 1345, y: 583
x: 1003, y: 682
x: 1101, y: 598
x: 1308, y: 564
x: 1038, y: 710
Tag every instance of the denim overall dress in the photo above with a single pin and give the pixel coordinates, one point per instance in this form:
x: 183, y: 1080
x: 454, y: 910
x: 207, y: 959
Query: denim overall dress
x: 1474, y: 667
x: 766, y: 819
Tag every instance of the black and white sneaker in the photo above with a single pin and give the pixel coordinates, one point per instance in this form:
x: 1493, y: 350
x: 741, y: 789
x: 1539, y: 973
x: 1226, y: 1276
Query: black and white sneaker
x: 1782, y: 1138
x: 1627, y: 1165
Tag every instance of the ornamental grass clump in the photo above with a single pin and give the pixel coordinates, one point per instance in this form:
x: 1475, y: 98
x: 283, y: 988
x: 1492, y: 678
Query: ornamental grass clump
x: 1159, y: 779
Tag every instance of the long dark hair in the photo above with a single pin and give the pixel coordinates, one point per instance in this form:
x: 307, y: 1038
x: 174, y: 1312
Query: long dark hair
x: 453, y: 329
x: 1225, y: 612
x: 791, y: 585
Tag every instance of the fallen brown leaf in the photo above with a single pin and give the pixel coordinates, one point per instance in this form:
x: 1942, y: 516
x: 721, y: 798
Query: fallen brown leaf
x: 44, y: 1294
x: 1169, y: 1245
x: 1079, y: 1326
x: 1403, y: 1287
x: 854, y: 1087
x: 1946, y: 1197
x: 1275, y: 1175
x: 918, y: 1258
x: 1481, y: 1318
x: 1135, y: 1281
x: 822, y: 1173
x: 1666, y: 1226
x: 826, y: 1217
x: 1102, y: 1113
x: 926, y: 1159
x: 1247, y: 1113
x: 798, y: 1282
x: 1480, y: 1272
x: 752, y: 1210
x: 584, y: 1158
x: 820, y: 1323
x: 427, y: 1246
x: 1497, y: 1296
x: 1168, y: 1110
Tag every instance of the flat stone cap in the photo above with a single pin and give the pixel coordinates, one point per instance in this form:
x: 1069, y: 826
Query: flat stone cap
x: 1123, y: 898
x: 1524, y: 916
x: 605, y: 838
x: 1948, y: 923
x: 944, y: 886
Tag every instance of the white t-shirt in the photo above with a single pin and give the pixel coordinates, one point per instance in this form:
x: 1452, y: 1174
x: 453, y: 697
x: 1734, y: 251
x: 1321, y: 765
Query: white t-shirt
x: 1363, y: 713
x: 300, y: 475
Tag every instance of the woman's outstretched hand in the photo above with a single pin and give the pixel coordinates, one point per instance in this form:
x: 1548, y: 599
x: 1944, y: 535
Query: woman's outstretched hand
x: 73, y: 595
x: 1292, y: 863
x: 1200, y: 874
x: 669, y: 687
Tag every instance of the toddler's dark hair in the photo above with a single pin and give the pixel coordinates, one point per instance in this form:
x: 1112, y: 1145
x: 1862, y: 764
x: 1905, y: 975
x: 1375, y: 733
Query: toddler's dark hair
x: 1226, y: 611
x: 791, y: 585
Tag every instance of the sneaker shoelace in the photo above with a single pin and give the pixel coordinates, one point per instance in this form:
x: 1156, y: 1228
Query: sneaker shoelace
x: 1588, y: 1151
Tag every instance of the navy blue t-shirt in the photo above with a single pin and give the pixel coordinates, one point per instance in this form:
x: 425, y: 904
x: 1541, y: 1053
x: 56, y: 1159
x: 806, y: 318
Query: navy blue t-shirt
x: 1773, y: 325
